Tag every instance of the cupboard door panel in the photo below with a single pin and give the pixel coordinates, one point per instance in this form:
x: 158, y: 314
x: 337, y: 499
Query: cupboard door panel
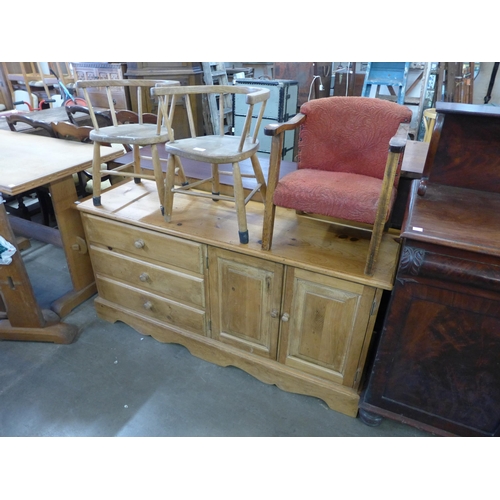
x: 324, y: 324
x: 245, y: 294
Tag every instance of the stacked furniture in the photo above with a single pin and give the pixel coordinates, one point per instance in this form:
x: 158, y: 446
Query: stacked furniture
x: 300, y: 316
x: 436, y: 366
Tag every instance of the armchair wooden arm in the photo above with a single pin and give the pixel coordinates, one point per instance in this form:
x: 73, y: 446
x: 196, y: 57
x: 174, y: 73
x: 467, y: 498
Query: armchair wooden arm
x: 278, y: 128
x: 397, y: 146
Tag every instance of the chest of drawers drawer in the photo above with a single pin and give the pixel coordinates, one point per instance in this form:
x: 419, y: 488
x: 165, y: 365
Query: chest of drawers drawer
x: 185, y: 288
x: 146, y: 245
x: 152, y: 305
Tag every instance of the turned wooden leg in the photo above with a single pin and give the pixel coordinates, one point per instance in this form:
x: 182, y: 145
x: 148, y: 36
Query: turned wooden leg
x: 160, y: 181
x: 215, y: 181
x: 137, y: 163
x: 239, y: 198
x: 257, y: 169
x: 169, y: 185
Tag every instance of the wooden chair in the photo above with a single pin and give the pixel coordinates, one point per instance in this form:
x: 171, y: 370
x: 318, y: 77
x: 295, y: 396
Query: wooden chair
x: 71, y: 132
x: 349, y: 158
x: 103, y: 117
x: 126, y: 116
x: 31, y: 125
x: 214, y: 149
x: 25, y: 124
x: 429, y: 119
x: 133, y: 134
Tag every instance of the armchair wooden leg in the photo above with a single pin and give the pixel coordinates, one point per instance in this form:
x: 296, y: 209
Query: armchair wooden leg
x: 373, y: 249
x: 272, y: 182
x: 393, y: 159
x: 96, y: 175
x: 239, y: 198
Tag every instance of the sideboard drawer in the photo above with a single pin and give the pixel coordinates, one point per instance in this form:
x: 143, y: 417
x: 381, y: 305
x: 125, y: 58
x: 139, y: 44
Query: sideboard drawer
x: 152, y: 306
x: 145, y: 244
x: 170, y: 283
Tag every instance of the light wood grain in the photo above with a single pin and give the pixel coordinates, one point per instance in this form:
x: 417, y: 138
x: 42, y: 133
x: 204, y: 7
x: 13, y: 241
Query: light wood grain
x: 309, y: 244
x: 292, y: 316
x: 29, y: 161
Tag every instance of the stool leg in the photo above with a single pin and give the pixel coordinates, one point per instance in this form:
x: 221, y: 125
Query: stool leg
x: 160, y: 180
x: 215, y: 181
x: 239, y: 199
x: 96, y: 175
x: 137, y: 163
x: 179, y: 170
x: 169, y: 184
x: 259, y: 176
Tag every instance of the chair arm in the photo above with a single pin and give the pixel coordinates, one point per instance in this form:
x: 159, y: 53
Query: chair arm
x: 274, y: 129
x: 257, y: 95
x: 398, y: 141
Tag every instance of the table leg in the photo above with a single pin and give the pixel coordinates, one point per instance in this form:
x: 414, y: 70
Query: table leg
x: 25, y: 320
x: 70, y: 225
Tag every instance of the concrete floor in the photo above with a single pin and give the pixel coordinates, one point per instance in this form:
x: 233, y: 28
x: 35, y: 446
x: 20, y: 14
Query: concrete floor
x: 114, y: 381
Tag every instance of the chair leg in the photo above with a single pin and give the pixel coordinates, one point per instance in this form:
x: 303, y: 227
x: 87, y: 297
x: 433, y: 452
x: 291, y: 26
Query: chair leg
x: 239, y: 198
x: 160, y: 181
x: 393, y: 159
x: 375, y: 241
x: 215, y: 181
x: 169, y: 185
x: 259, y: 176
x: 96, y: 175
x: 179, y: 171
x: 137, y: 162
x: 272, y: 182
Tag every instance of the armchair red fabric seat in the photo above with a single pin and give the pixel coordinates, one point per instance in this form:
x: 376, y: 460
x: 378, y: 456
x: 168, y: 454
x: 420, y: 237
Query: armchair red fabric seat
x: 343, y: 163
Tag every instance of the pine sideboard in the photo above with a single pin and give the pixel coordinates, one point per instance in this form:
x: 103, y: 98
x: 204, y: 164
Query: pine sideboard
x: 300, y: 316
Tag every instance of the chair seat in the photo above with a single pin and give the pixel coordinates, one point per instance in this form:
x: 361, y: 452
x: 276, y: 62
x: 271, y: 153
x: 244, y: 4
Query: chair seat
x: 130, y: 133
x: 335, y: 194
x: 213, y: 148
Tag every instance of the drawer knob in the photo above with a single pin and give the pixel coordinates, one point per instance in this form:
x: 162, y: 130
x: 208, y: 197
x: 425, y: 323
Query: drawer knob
x: 274, y: 313
x: 148, y: 305
x: 144, y: 277
x: 285, y: 317
x: 139, y: 243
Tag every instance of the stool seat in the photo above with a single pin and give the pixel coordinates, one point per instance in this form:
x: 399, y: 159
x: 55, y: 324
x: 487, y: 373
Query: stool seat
x: 213, y: 148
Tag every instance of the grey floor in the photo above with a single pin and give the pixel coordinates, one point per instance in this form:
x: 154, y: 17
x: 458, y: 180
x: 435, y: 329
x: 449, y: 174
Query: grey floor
x: 114, y: 381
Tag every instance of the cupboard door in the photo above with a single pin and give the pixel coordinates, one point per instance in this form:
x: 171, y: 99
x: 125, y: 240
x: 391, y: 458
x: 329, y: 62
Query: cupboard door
x: 326, y: 325
x: 245, y: 298
x: 437, y: 361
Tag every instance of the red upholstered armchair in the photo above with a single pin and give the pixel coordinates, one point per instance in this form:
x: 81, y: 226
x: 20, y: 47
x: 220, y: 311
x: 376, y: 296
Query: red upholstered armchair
x: 349, y: 157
